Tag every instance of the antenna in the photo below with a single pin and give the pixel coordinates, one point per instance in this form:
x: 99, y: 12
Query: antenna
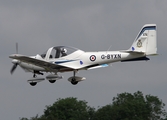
x: 109, y: 48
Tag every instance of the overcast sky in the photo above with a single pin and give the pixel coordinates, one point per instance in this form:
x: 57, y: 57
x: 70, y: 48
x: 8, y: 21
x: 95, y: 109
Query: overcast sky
x: 90, y: 25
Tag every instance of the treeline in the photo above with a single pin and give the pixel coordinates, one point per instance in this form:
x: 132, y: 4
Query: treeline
x: 125, y: 106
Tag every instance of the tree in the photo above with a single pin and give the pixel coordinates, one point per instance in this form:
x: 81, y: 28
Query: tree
x: 68, y: 109
x: 125, y: 106
x: 104, y: 113
x: 135, y: 106
x: 156, y: 107
x: 23, y: 118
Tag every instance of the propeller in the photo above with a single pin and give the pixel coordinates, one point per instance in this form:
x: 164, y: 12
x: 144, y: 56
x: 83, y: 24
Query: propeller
x: 14, y: 61
x: 13, y: 68
x: 16, y: 48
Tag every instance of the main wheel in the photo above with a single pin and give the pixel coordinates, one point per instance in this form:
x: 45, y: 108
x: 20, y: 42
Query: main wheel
x: 52, y: 81
x: 33, y: 83
x: 73, y: 81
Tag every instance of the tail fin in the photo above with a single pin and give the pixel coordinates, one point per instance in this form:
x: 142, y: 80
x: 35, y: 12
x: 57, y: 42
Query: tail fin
x: 146, y: 41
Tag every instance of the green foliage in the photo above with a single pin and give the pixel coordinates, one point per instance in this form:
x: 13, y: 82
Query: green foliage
x: 23, y: 118
x: 104, y: 113
x: 135, y: 106
x: 125, y: 106
x: 131, y: 107
x: 68, y: 109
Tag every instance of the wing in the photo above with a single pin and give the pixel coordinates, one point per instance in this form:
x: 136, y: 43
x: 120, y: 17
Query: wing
x: 48, y: 66
x: 56, y: 66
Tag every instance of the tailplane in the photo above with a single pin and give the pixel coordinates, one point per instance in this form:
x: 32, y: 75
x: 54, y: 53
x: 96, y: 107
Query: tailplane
x: 146, y: 40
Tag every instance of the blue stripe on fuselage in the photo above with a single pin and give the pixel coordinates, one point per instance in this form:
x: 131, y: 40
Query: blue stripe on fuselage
x: 65, y: 61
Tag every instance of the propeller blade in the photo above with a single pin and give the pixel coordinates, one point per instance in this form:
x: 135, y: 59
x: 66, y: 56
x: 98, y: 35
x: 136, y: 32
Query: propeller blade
x: 15, y: 62
x: 16, y: 48
x: 13, y: 68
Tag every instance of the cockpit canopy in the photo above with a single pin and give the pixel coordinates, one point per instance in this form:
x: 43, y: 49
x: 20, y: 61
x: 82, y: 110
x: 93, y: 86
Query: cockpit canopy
x: 59, y: 51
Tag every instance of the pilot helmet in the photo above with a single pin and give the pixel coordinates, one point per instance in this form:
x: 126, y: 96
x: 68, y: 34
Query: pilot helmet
x: 64, y: 50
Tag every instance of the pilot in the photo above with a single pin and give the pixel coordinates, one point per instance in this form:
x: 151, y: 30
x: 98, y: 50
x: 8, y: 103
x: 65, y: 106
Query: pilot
x: 64, y: 52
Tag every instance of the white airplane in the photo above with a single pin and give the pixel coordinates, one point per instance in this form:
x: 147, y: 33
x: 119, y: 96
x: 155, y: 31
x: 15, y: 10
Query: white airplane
x: 65, y: 59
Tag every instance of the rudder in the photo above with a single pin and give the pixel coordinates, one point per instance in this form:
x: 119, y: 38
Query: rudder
x: 146, y: 40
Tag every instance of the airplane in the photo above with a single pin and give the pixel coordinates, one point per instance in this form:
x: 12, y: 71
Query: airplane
x: 61, y: 59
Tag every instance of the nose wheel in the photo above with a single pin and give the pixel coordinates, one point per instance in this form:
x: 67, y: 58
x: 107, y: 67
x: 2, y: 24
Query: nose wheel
x: 33, y: 83
x: 37, y: 72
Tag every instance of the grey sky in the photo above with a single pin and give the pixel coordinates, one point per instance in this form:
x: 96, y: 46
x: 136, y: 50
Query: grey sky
x: 88, y: 25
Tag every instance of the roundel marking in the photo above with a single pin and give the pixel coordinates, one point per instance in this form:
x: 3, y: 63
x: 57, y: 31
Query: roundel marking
x: 92, y: 58
x: 139, y: 43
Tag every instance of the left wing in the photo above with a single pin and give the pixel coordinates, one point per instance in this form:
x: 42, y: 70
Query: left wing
x: 56, y: 66
x: 51, y: 67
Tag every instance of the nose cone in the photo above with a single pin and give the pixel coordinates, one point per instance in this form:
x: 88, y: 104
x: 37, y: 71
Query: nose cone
x: 13, y: 56
x: 14, y: 61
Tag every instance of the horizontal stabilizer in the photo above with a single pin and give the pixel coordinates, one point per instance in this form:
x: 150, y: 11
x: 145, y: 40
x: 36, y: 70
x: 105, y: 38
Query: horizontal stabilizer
x: 133, y: 52
x: 136, y: 59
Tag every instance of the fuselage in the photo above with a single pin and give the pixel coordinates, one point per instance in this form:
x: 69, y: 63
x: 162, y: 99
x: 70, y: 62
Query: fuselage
x: 81, y: 60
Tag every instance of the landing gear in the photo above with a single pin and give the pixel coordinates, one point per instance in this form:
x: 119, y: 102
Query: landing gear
x: 73, y: 80
x: 33, y: 83
x: 52, y: 81
x: 53, y: 77
x: 37, y: 72
x: 34, y: 76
